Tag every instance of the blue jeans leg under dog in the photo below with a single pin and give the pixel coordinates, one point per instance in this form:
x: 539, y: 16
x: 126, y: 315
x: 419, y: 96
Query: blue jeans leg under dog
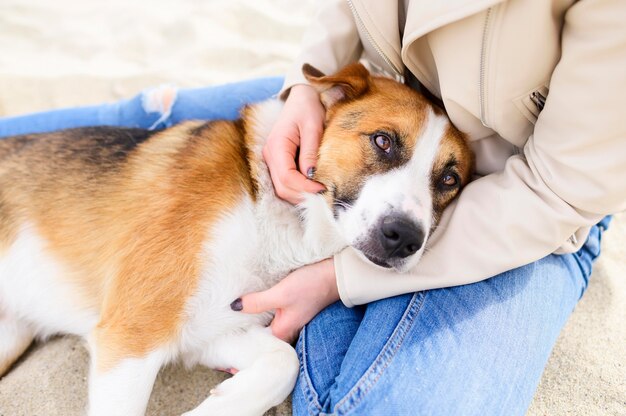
x: 477, y: 349
x: 210, y: 103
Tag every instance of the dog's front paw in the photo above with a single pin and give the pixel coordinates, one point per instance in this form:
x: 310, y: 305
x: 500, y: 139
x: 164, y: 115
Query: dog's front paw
x: 228, y: 399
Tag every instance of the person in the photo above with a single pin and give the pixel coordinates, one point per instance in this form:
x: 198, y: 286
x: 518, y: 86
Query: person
x: 544, y: 160
x: 537, y: 86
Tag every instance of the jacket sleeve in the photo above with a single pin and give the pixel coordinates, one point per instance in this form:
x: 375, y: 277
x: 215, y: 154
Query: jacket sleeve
x: 571, y: 174
x: 330, y: 43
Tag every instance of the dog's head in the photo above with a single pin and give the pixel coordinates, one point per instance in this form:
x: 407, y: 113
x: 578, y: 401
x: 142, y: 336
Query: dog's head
x: 391, y: 163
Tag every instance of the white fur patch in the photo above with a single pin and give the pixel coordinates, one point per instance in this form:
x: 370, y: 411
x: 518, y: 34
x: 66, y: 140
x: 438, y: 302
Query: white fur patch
x: 34, y: 288
x: 267, y: 366
x: 125, y: 389
x: 264, y: 117
x: 250, y: 249
x: 15, y: 337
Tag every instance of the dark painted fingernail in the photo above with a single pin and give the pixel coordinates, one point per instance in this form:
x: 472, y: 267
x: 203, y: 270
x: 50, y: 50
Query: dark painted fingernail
x: 237, y: 305
x: 311, y: 172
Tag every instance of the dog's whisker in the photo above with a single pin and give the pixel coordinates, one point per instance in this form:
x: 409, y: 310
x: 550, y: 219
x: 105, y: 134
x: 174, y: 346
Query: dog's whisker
x: 342, y: 204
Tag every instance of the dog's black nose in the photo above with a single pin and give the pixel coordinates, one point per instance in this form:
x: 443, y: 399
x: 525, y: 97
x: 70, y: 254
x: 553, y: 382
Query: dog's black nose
x: 400, y: 236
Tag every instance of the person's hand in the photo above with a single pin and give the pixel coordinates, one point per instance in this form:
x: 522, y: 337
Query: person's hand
x: 300, y: 125
x: 296, y: 299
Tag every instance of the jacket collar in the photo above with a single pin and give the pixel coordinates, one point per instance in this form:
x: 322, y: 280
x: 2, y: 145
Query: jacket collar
x: 423, y: 16
x: 380, y: 20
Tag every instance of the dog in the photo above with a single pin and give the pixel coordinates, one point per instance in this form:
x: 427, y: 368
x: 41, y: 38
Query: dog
x: 139, y: 240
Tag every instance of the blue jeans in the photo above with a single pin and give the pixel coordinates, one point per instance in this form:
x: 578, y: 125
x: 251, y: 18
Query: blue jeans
x: 210, y: 103
x: 477, y: 349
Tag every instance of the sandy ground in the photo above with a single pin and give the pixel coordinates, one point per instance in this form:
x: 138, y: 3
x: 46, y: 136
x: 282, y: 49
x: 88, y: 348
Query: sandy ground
x: 71, y: 52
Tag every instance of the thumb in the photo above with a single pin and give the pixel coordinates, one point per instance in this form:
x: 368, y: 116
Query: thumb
x: 309, y: 145
x: 285, y: 327
x: 256, y: 302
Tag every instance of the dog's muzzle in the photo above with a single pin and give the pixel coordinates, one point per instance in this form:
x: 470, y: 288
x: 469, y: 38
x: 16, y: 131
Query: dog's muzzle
x: 394, y: 238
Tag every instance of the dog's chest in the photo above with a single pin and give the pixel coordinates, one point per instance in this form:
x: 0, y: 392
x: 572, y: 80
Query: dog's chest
x: 249, y: 249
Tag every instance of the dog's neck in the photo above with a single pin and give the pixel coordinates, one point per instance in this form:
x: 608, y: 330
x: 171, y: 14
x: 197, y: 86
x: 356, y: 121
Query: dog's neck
x: 296, y: 235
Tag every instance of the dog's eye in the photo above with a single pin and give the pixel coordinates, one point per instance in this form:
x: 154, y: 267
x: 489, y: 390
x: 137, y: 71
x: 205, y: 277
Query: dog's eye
x: 383, y: 142
x: 450, y: 180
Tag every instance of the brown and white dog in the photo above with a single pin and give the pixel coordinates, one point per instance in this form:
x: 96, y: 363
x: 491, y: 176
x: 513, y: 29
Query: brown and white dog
x: 139, y: 240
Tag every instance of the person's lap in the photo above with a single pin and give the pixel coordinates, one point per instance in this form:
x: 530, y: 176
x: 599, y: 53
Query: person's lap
x: 468, y: 350
x: 473, y: 349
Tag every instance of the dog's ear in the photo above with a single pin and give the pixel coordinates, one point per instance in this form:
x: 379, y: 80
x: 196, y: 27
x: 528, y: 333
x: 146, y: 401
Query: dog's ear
x: 347, y: 84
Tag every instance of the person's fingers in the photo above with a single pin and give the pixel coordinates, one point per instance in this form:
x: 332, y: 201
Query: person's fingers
x: 310, y: 137
x: 257, y: 302
x: 285, y: 328
x: 291, y: 178
x: 297, y: 184
x: 288, y: 182
x: 284, y: 192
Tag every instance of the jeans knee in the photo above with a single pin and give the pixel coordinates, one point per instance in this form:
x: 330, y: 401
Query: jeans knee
x: 159, y: 100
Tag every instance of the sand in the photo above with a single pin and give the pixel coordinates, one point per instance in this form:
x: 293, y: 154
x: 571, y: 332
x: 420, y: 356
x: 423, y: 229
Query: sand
x: 70, y: 52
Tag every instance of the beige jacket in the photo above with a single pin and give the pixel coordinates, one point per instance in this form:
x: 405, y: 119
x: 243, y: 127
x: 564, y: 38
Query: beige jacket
x: 547, y: 174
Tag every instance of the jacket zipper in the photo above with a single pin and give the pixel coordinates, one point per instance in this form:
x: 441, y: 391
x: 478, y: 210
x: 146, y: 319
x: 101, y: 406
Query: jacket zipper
x: 397, y: 73
x: 538, y: 99
x: 483, y: 63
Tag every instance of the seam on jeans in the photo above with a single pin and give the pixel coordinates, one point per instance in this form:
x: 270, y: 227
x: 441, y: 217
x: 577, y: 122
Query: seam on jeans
x: 585, y: 268
x: 387, y: 353
x: 573, y: 265
x: 307, y: 385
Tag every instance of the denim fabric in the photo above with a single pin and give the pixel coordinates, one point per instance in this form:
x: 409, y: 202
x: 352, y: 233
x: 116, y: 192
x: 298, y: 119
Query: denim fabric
x: 210, y: 103
x: 477, y: 349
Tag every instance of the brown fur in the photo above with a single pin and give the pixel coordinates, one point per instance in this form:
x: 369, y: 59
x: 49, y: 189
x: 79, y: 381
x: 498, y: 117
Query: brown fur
x: 131, y: 217
x: 453, y: 148
x: 7, y: 229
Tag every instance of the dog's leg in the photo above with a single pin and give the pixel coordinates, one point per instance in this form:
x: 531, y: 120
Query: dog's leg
x: 267, y: 366
x: 15, y: 337
x: 124, y: 389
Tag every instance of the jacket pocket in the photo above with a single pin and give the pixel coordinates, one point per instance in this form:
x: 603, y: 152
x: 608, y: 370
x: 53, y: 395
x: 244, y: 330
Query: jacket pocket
x: 531, y: 103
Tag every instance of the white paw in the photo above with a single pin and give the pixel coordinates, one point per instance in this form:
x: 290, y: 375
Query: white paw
x: 229, y: 399
x: 225, y: 388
